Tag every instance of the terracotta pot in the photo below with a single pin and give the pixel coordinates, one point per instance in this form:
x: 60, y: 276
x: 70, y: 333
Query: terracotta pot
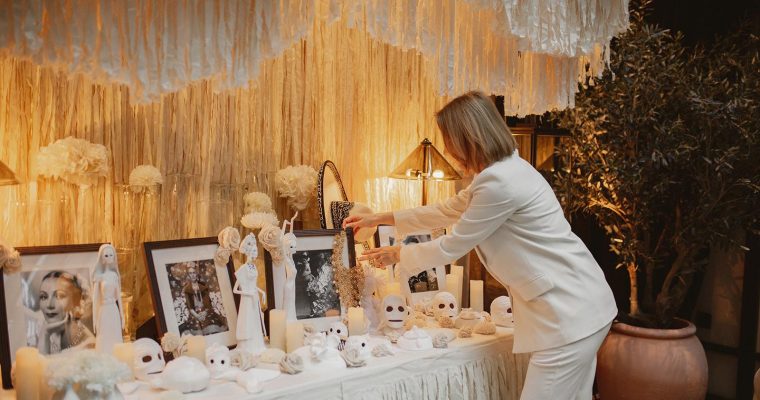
x: 641, y: 363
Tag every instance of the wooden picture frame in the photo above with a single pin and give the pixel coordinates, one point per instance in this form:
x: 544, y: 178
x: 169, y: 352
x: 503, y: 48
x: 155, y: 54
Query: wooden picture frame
x: 314, y: 250
x: 418, y: 291
x: 171, y: 265
x: 23, y: 318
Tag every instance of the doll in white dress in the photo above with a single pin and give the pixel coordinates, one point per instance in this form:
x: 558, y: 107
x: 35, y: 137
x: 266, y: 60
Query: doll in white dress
x: 108, y: 312
x: 250, y: 323
x: 289, y: 290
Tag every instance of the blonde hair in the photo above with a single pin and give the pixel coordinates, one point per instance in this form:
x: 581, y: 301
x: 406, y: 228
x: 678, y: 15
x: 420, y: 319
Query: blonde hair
x: 474, y: 132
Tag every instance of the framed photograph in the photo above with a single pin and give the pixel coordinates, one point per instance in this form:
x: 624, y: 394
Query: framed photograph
x: 423, y: 286
x: 316, y: 295
x: 190, y: 294
x: 48, y: 303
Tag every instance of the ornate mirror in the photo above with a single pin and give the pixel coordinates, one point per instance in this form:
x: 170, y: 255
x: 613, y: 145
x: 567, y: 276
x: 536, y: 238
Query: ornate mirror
x: 331, y: 196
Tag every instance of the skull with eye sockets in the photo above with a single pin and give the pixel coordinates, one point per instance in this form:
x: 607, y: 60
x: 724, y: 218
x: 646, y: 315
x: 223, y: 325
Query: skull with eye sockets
x: 501, y: 311
x: 361, y: 344
x: 444, y: 304
x: 218, y: 360
x: 148, y: 359
x: 395, y: 311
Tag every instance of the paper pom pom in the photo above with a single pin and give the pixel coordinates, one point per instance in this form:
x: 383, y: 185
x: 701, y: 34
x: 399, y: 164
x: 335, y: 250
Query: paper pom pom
x: 144, y: 176
x: 382, y: 350
x: 441, y: 341
x: 393, y: 336
x: 272, y: 356
x: 353, y: 358
x: 465, y: 332
x: 258, y: 220
x: 445, y: 321
x: 270, y: 238
x: 99, y: 372
x: 257, y: 202
x: 10, y: 261
x: 298, y: 184
x: 73, y: 160
x: 243, y: 359
x: 485, y: 327
x: 291, y: 364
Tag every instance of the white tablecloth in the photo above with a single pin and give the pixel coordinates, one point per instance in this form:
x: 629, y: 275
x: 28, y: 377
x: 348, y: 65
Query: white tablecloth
x: 480, y: 367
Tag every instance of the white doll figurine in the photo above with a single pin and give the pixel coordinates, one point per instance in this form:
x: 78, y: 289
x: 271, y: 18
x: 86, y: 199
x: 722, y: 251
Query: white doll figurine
x: 250, y: 322
x: 289, y: 245
x: 108, y: 313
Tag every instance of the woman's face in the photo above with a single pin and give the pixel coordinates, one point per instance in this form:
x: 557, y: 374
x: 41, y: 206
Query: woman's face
x: 109, y: 255
x: 56, y: 299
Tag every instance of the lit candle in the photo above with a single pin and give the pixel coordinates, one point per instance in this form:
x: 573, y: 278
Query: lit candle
x: 294, y: 337
x: 454, y: 286
x: 125, y: 352
x: 277, y: 327
x: 196, y: 347
x: 356, y: 321
x: 476, y: 295
x: 393, y: 288
x: 27, y: 373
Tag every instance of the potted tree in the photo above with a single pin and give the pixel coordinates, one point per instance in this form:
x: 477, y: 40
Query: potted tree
x: 663, y: 153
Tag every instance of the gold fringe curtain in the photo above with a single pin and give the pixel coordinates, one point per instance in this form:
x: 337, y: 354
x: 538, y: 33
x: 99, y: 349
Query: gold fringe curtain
x: 532, y: 52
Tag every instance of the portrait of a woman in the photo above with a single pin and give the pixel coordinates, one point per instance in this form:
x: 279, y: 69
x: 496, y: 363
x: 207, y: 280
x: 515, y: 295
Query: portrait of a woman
x: 61, y: 304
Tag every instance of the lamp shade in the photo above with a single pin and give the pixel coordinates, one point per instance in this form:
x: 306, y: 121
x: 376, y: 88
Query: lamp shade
x: 425, y: 163
x: 6, y: 175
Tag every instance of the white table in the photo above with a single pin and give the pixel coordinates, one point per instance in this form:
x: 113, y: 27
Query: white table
x: 480, y: 367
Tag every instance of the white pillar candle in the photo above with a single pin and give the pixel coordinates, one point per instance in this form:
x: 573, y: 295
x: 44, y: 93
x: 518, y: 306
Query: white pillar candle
x: 476, y: 295
x: 27, y: 373
x: 125, y: 353
x: 356, y: 321
x: 196, y: 347
x: 459, y: 270
x: 454, y: 286
x: 393, y: 288
x: 277, y: 328
x: 294, y: 335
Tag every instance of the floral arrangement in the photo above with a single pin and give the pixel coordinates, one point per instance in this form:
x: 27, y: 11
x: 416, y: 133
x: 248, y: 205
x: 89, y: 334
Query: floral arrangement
x: 257, y: 202
x: 10, y: 261
x: 144, y: 176
x: 73, y: 160
x: 298, y: 184
x: 270, y: 238
x: 258, y: 220
x: 95, y: 371
x: 349, y: 282
x: 173, y: 343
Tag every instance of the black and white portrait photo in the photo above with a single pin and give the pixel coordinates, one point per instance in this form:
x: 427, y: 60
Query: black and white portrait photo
x: 315, y: 291
x: 426, y: 280
x: 48, y: 302
x: 196, y: 297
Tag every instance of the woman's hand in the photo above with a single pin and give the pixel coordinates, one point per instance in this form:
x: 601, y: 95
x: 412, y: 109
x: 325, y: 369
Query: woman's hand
x: 382, y: 256
x: 357, y: 222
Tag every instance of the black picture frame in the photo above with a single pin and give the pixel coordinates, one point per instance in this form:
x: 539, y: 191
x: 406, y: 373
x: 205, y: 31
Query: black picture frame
x: 157, y: 296
x: 329, y: 236
x: 6, y: 353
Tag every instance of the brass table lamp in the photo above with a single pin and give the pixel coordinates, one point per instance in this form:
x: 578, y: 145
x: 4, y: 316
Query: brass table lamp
x: 425, y: 163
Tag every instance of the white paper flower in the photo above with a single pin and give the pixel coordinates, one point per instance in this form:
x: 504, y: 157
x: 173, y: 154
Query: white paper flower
x: 144, y: 176
x: 96, y: 371
x: 171, y: 343
x: 270, y: 238
x: 465, y: 332
x: 258, y: 220
x: 73, y: 160
x: 298, y: 184
x: 441, y: 341
x: 10, y: 261
x: 257, y: 202
x: 291, y: 364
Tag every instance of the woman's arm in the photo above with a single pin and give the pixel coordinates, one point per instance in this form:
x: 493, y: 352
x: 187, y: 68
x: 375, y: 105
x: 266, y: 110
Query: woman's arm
x: 432, y: 216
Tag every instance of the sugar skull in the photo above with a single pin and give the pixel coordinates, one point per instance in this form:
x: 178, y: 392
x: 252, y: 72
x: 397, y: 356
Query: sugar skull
x: 501, y: 311
x: 444, y: 303
x: 218, y: 360
x: 395, y: 311
x: 148, y: 359
x: 338, y: 329
x: 361, y: 344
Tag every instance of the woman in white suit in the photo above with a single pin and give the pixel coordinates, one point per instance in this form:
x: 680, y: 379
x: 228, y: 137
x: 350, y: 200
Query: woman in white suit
x: 563, y: 306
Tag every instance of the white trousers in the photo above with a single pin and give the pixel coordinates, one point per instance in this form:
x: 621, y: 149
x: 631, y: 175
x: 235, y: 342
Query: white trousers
x: 565, y: 372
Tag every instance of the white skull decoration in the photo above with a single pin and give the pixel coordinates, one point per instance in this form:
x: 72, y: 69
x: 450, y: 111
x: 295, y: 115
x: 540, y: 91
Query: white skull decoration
x: 218, y: 360
x: 395, y: 311
x: 148, y: 359
x: 444, y: 304
x: 338, y: 329
x: 361, y: 344
x: 501, y: 311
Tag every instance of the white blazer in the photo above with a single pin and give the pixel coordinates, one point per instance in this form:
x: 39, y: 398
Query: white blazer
x: 511, y: 216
